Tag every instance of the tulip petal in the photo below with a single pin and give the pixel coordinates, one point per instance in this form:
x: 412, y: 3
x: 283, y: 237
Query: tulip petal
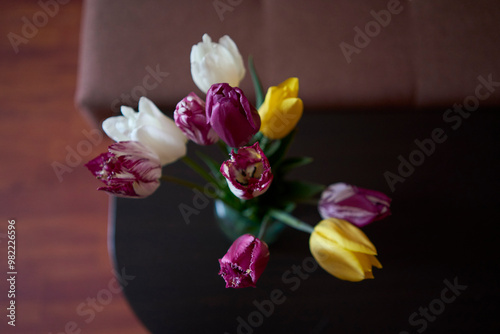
x: 343, y: 250
x: 248, y: 172
x: 230, y: 45
x: 231, y: 115
x: 116, y: 128
x: 132, y: 151
x: 150, y: 127
x: 294, y: 108
x: 168, y: 148
x: 128, y: 169
x: 290, y: 86
x: 346, y: 235
x: 276, y: 125
x: 244, y: 262
x: 365, y: 261
x: 144, y: 189
x: 281, y: 110
x: 357, y: 205
x: 375, y: 262
x: 190, y: 117
x: 213, y: 63
x: 151, y: 115
x: 336, y: 260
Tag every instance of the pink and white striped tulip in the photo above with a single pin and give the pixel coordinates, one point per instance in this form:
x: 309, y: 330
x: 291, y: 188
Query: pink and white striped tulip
x: 128, y: 169
x: 190, y: 117
x: 356, y: 205
x: 248, y: 172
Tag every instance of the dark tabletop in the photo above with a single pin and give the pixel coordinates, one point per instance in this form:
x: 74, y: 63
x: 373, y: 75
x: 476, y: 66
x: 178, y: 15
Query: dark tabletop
x: 438, y: 249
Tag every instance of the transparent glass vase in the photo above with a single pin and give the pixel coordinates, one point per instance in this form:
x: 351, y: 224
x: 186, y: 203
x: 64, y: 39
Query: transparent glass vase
x: 235, y: 223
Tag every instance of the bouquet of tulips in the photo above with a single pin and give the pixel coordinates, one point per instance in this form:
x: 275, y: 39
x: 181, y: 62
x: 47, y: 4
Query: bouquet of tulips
x: 252, y: 180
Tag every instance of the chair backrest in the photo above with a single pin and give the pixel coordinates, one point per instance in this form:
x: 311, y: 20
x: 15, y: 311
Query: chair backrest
x: 366, y: 54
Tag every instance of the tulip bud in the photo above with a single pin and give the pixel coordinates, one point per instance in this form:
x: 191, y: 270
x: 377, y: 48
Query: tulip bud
x: 281, y: 110
x: 248, y: 172
x: 244, y: 262
x: 128, y: 169
x: 190, y: 117
x: 213, y: 63
x: 343, y: 250
x: 231, y: 115
x: 356, y: 205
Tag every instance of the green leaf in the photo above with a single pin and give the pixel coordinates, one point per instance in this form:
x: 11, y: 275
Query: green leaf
x: 270, y: 147
x: 198, y: 169
x: 291, y: 163
x: 224, y: 192
x: 290, y: 220
x: 256, y: 138
x: 279, y: 153
x: 259, y: 92
x: 300, y: 190
x: 223, y: 147
x: 214, y: 168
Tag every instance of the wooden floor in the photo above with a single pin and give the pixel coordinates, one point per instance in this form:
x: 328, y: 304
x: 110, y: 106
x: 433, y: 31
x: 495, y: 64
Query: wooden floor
x: 61, y: 225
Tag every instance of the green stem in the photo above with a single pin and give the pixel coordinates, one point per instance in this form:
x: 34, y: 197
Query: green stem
x: 308, y: 201
x: 291, y: 220
x: 259, y: 92
x: 223, y: 147
x: 198, y: 169
x: 263, y: 227
x: 263, y: 143
x: 181, y: 182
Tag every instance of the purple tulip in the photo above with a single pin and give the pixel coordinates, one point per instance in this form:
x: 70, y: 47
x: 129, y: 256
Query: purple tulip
x: 248, y: 172
x: 128, y: 169
x: 356, y: 205
x: 231, y: 115
x: 244, y: 262
x: 190, y: 117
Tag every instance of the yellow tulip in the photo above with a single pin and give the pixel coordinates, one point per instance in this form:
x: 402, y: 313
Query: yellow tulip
x: 281, y: 109
x: 343, y: 250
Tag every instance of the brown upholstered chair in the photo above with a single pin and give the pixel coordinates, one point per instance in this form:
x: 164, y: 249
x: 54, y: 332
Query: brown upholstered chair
x: 348, y: 54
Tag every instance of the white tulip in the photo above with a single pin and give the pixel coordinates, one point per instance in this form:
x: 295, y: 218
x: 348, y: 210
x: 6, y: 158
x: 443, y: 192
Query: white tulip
x: 213, y: 63
x: 151, y: 128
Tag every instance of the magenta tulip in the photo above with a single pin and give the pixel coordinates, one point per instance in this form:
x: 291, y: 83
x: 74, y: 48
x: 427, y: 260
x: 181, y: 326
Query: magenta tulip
x: 244, y: 262
x: 248, y: 172
x: 356, y: 205
x: 231, y: 115
x: 190, y: 117
x: 128, y: 169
